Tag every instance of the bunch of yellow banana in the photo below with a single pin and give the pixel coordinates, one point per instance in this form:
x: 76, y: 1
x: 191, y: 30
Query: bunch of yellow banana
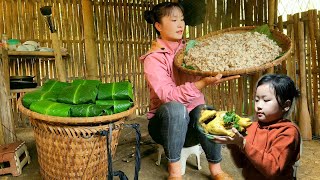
x: 221, y: 122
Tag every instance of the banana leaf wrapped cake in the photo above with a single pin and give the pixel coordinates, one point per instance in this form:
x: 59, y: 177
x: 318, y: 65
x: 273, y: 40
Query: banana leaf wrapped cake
x: 81, y: 98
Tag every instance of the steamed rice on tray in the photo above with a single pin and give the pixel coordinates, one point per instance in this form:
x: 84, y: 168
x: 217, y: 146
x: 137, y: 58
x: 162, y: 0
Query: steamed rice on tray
x: 232, y: 51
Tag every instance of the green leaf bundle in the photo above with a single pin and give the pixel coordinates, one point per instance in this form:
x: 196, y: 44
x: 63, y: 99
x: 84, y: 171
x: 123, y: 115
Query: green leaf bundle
x: 90, y: 82
x: 115, y: 91
x: 51, y: 108
x: 90, y: 110
x: 78, y: 94
x: 117, y: 105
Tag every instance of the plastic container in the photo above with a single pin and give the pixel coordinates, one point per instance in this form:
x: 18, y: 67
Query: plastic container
x: 13, y: 44
x: 4, y: 41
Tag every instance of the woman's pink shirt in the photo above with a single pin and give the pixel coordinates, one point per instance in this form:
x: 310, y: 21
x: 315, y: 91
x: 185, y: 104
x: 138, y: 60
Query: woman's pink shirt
x: 165, y: 82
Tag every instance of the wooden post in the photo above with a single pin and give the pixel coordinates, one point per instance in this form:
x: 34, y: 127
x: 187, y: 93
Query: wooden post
x: 6, y: 117
x: 312, y: 28
x: 89, y: 40
x: 5, y: 68
x: 304, y: 116
x: 271, y: 11
x: 60, y: 64
x: 291, y: 59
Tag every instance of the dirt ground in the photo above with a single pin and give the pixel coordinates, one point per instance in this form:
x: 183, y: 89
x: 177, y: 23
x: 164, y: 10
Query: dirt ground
x: 310, y: 160
x: 124, y: 161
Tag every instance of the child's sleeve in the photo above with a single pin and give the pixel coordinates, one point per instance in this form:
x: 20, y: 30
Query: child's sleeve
x: 237, y: 156
x: 282, y: 153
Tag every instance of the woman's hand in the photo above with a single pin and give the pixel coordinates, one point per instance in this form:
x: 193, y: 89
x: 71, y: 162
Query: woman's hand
x: 238, y: 139
x: 213, y: 80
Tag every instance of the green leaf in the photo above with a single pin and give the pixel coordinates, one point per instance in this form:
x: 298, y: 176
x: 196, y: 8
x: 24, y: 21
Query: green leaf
x: 190, y: 44
x: 231, y: 119
x: 280, y: 55
x: 187, y: 67
x: 264, y: 29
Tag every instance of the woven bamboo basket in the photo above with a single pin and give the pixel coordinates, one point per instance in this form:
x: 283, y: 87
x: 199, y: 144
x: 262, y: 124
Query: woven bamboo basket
x: 72, y: 147
x: 283, y: 41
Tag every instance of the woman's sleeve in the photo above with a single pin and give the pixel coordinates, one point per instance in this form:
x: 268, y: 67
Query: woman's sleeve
x: 282, y: 150
x: 159, y: 77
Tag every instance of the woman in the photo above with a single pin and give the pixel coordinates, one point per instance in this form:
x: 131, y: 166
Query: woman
x: 175, y: 98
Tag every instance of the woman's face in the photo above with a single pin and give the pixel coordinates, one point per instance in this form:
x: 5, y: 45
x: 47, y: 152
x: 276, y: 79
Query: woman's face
x: 171, y: 27
x: 266, y: 105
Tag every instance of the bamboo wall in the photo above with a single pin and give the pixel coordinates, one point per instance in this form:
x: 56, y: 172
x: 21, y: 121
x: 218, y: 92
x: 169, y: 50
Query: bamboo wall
x: 121, y: 35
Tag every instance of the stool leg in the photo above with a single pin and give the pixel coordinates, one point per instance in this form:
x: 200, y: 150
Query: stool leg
x: 27, y: 153
x: 198, y: 161
x: 198, y: 157
x: 14, y: 166
x: 183, y: 163
x: 160, y: 151
x: 183, y: 160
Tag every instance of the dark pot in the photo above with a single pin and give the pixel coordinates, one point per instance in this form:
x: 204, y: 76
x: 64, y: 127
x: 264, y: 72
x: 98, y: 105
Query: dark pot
x: 22, y: 84
x: 21, y: 78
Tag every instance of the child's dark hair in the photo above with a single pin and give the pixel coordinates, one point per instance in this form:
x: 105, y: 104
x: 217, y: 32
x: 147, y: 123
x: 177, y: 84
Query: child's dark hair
x: 283, y: 86
x: 160, y: 10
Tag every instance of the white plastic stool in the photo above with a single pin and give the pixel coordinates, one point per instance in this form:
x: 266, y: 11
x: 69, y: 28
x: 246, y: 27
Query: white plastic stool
x: 185, y: 153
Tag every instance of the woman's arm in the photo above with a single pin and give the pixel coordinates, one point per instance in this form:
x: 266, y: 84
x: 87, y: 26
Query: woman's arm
x: 159, y: 77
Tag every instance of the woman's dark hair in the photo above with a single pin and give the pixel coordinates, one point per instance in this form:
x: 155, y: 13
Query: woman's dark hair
x: 283, y: 86
x: 160, y: 10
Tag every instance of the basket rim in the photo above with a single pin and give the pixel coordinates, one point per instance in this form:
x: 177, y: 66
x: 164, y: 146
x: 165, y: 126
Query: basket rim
x: 178, y: 59
x: 74, y: 120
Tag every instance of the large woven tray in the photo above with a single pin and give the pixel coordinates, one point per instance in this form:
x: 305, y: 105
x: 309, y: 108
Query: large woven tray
x: 73, y: 147
x: 74, y: 120
x: 283, y: 41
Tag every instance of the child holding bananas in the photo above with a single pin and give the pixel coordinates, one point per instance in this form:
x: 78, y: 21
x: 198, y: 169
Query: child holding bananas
x: 272, y: 144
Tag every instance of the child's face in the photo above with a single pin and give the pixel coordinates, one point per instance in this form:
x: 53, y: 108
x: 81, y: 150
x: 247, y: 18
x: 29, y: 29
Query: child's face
x: 171, y: 27
x: 266, y: 105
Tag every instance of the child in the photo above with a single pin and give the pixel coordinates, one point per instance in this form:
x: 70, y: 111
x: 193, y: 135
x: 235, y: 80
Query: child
x: 173, y: 94
x: 272, y: 144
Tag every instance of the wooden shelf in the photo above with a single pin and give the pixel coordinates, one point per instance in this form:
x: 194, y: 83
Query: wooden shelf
x: 24, y: 90
x: 32, y: 54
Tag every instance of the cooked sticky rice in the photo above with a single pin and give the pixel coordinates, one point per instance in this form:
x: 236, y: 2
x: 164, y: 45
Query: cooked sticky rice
x: 232, y: 51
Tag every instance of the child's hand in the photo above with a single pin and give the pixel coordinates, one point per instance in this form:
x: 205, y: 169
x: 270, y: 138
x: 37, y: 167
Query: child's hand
x: 237, y: 139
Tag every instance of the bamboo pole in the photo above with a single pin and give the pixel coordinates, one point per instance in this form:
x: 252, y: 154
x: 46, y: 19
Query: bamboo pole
x: 312, y: 29
x: 239, y: 99
x: 304, y: 15
x: 255, y: 77
x: 6, y: 116
x: 5, y: 70
x: 271, y: 12
x: 60, y: 64
x: 236, y: 14
x: 304, y: 116
x: 248, y: 13
x: 89, y: 40
x: 219, y: 15
x: 296, y: 62
x: 260, y: 12
x: 280, y: 28
x: 245, y: 94
x: 227, y: 20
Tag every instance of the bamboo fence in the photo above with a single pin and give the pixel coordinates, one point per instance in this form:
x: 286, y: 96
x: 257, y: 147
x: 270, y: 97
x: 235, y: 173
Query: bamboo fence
x: 106, y: 38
